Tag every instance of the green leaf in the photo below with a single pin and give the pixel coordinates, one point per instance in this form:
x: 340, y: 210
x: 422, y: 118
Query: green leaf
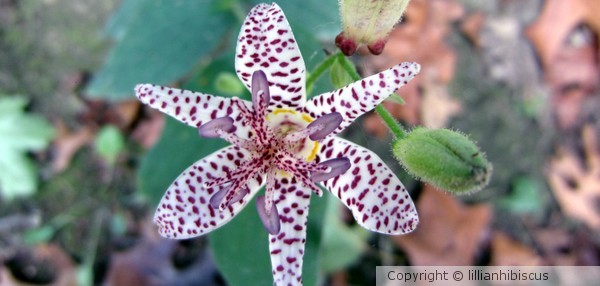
x: 117, y: 25
x: 12, y: 105
x: 161, y: 41
x: 17, y: 174
x: 39, y: 235
x: 341, y: 245
x: 109, y: 143
x: 20, y: 133
x: 319, y: 18
x: 338, y: 75
x: 396, y: 99
x: 524, y: 196
x: 229, y: 84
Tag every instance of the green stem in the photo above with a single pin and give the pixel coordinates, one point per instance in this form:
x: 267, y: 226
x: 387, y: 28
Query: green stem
x: 318, y: 71
x: 389, y: 120
x: 348, y: 66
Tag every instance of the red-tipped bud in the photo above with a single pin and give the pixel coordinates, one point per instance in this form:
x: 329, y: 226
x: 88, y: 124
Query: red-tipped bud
x: 347, y: 46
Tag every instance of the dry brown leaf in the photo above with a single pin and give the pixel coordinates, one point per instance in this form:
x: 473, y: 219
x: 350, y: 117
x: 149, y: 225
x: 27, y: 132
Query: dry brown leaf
x: 507, y: 252
x: 575, y: 65
x: 127, y: 112
x: 49, y: 259
x: 148, y: 131
x: 567, y: 107
x: 557, y: 19
x: 449, y: 232
x: 67, y: 143
x: 575, y: 186
x: 159, y: 261
x: 437, y: 106
x: 555, y: 244
x: 471, y: 27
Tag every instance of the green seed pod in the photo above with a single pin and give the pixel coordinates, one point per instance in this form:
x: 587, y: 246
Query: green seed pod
x: 445, y: 159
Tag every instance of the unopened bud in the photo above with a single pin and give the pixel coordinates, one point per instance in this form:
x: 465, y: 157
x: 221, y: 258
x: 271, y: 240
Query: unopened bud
x: 368, y: 22
x: 445, y: 159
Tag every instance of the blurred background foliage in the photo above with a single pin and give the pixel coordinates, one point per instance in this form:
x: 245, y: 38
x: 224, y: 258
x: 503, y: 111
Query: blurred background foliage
x: 87, y: 163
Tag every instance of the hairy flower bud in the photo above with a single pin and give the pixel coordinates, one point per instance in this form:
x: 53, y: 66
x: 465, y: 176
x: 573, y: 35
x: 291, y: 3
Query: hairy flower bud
x: 368, y: 22
x: 445, y: 159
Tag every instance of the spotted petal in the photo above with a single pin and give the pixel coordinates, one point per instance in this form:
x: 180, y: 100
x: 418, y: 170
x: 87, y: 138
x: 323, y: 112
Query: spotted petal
x: 364, y: 95
x: 266, y: 43
x: 185, y: 209
x: 287, y: 247
x: 376, y: 197
x: 191, y: 108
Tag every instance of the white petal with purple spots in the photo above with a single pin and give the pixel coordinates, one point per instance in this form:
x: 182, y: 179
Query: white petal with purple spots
x: 266, y: 43
x: 191, y: 108
x: 287, y: 247
x: 185, y: 210
x: 364, y: 95
x: 376, y: 197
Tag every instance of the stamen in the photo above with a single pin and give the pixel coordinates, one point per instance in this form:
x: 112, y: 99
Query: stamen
x: 237, y: 141
x: 247, y: 116
x: 216, y: 199
x: 270, y: 221
x: 260, y: 91
x: 338, y: 166
x: 307, y: 182
x: 328, y: 122
x: 299, y: 169
x: 299, y: 135
x: 211, y: 129
x: 269, y: 191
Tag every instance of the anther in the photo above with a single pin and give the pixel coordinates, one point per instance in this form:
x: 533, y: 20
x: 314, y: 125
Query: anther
x: 337, y: 167
x: 270, y: 221
x: 211, y: 129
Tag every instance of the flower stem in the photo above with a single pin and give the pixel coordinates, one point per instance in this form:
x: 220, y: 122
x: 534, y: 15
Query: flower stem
x: 389, y: 120
x: 318, y: 71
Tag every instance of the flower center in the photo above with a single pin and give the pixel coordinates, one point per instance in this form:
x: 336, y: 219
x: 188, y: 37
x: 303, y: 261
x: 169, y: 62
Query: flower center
x: 287, y: 121
x: 283, y: 143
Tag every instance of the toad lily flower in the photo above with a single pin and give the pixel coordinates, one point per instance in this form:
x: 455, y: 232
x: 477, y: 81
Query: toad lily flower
x: 284, y: 142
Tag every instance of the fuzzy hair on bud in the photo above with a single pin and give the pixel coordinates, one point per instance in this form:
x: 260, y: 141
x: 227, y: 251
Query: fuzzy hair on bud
x: 445, y: 159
